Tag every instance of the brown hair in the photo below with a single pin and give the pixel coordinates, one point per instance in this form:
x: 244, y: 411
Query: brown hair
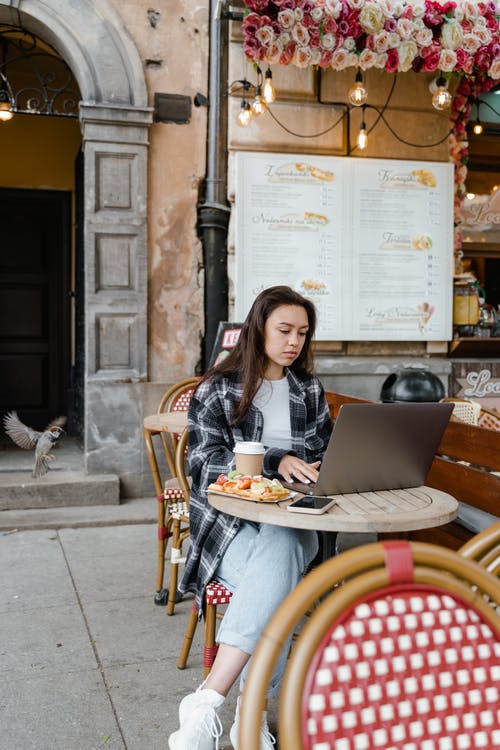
x: 248, y: 356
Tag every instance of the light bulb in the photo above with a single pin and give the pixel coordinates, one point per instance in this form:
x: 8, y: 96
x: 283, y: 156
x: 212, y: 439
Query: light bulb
x: 245, y: 114
x: 478, y: 128
x: 357, y: 94
x: 259, y: 105
x: 269, y: 90
x: 6, y: 112
x: 363, y: 136
x: 441, y: 98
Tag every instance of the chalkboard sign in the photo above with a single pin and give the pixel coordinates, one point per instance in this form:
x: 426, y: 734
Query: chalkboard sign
x: 227, y: 338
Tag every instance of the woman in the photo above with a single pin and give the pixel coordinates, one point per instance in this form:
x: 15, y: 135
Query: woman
x: 263, y: 391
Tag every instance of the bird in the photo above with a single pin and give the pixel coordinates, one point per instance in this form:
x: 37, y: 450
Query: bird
x: 28, y: 438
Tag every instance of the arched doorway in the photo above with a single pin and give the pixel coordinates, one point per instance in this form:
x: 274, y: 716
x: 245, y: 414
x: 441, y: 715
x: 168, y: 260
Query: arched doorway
x: 114, y: 120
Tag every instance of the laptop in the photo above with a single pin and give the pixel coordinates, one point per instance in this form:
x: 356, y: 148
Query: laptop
x: 379, y: 447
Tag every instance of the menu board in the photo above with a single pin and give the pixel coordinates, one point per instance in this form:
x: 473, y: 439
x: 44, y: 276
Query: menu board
x: 369, y: 241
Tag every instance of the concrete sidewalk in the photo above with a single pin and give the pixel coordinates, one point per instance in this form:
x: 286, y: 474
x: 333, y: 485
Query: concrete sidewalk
x: 88, y: 662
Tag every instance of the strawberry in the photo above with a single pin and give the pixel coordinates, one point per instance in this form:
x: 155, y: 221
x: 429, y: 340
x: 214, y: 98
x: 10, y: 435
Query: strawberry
x: 221, y: 479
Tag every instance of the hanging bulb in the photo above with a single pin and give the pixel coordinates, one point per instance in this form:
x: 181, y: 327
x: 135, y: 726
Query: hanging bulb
x: 269, y: 90
x: 6, y: 112
x: 478, y: 128
x: 441, y: 98
x: 363, y: 136
x: 245, y: 114
x: 259, y: 105
x: 357, y: 94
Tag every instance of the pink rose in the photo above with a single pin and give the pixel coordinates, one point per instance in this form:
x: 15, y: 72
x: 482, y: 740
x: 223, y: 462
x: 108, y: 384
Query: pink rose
x: 286, y: 19
x: 302, y: 57
x: 367, y: 59
x: 494, y: 71
x: 326, y: 58
x: 482, y: 59
x: 391, y: 24
x: 431, y: 63
x: 447, y: 60
x: 300, y: 34
x: 330, y: 25
x: 392, y: 62
x: 287, y: 54
x: 251, y: 23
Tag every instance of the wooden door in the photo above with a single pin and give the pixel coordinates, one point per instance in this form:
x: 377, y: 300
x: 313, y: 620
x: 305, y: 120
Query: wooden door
x: 35, y: 230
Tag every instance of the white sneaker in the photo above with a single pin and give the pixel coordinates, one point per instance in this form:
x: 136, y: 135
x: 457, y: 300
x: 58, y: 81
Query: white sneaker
x: 267, y: 740
x: 200, y: 727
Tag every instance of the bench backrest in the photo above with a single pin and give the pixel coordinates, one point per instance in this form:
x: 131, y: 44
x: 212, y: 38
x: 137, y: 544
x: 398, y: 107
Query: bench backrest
x: 467, y: 457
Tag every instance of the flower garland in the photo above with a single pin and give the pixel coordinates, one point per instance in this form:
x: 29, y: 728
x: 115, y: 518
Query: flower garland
x: 392, y: 35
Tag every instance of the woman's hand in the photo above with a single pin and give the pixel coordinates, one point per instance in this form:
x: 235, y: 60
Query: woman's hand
x: 293, y: 469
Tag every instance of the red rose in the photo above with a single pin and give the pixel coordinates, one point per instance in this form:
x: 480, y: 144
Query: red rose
x: 392, y: 62
x: 287, y: 54
x: 431, y: 63
x: 326, y: 58
x: 482, y: 59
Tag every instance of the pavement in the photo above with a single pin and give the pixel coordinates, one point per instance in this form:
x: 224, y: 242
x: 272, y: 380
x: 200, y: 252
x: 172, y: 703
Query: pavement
x: 88, y: 661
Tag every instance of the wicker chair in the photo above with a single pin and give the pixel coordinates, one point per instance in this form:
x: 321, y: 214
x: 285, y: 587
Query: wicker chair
x: 170, y: 494
x: 485, y: 548
x: 402, y: 652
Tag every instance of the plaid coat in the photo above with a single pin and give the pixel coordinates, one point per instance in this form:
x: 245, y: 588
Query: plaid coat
x: 210, y: 453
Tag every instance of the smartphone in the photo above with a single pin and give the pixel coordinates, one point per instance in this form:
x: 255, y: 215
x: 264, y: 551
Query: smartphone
x: 310, y: 504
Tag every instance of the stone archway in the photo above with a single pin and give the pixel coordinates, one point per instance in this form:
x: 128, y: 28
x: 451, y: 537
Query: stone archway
x: 114, y: 118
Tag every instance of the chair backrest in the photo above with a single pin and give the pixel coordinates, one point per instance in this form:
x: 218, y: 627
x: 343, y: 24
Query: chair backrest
x: 180, y: 464
x: 465, y: 411
x: 176, y: 398
x: 485, y: 548
x: 402, y: 652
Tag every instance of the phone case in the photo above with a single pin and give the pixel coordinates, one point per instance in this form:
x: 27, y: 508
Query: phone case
x: 313, y: 511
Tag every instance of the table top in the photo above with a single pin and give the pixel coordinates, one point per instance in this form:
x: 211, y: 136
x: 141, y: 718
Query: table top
x: 382, y: 511
x: 172, y: 421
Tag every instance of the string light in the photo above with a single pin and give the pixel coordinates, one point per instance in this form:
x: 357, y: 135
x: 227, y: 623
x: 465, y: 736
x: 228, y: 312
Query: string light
x: 357, y: 95
x: 363, y: 135
x: 6, y: 112
x: 259, y: 105
x: 245, y: 114
x: 441, y: 98
x: 477, y: 128
x: 269, y: 91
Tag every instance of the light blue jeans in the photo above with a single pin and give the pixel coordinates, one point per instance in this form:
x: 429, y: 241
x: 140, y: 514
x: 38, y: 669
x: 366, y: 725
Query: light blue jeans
x: 261, y: 566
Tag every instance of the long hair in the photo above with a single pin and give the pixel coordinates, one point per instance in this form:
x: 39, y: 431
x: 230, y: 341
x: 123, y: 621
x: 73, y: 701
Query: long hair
x: 248, y: 357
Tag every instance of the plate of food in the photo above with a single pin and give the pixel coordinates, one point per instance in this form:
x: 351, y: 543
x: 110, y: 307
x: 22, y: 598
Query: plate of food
x: 258, y: 489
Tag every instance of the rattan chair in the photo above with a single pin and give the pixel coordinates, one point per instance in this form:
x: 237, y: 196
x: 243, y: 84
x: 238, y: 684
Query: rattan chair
x: 485, y: 548
x: 402, y: 652
x: 169, y: 493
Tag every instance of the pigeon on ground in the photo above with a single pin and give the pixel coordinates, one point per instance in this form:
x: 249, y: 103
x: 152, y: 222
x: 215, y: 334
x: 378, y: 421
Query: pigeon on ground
x: 28, y: 438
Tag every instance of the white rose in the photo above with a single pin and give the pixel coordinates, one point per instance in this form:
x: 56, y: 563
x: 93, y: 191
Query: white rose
x: 407, y: 52
x: 367, y: 59
x: 328, y: 41
x: 419, y: 24
x: 381, y: 60
x: 470, y: 9
x: 286, y: 19
x: 340, y: 59
x: 393, y: 40
x: 418, y: 8
x: 471, y: 43
x: 371, y: 18
x: 355, y: 4
x: 315, y: 56
x: 397, y: 8
x: 405, y: 28
x: 447, y: 60
x: 483, y: 34
x: 423, y: 37
x: 452, y: 35
x: 317, y: 14
x: 265, y: 35
x: 302, y: 57
x: 494, y: 71
x: 333, y: 8
x: 299, y: 14
x: 381, y: 41
x: 349, y: 43
x: 301, y: 35
x: 273, y: 53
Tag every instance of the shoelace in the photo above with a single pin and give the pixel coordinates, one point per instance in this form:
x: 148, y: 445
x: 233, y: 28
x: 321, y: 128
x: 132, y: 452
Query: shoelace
x: 264, y: 730
x: 214, y: 726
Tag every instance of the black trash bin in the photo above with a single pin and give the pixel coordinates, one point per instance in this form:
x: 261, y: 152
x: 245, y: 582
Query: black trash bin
x: 412, y: 384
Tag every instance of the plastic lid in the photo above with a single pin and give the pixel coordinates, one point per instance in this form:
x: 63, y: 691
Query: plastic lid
x: 249, y: 448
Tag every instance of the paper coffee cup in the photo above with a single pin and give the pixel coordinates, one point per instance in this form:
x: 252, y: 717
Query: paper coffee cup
x: 249, y: 457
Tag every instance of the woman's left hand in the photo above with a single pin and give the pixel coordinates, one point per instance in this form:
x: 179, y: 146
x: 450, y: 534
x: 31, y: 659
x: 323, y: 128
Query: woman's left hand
x: 293, y: 468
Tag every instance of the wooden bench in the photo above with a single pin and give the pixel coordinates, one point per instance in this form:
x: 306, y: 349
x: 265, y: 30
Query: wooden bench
x: 464, y: 466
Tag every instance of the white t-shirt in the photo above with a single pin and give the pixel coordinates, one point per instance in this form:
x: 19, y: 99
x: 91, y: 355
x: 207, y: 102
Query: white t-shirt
x: 273, y: 400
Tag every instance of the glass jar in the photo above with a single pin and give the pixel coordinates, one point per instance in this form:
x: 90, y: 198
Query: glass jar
x: 466, y: 308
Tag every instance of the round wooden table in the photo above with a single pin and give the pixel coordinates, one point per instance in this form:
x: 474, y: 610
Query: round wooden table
x: 383, y: 511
